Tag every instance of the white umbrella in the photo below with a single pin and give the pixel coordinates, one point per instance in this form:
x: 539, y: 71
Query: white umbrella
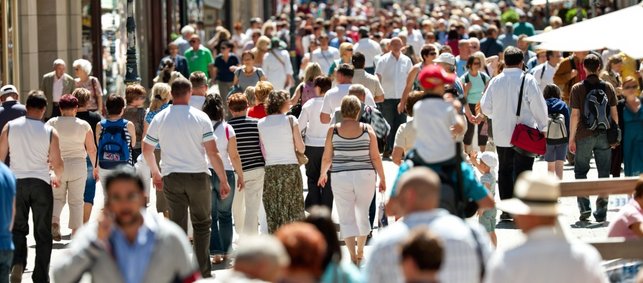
x: 615, y: 30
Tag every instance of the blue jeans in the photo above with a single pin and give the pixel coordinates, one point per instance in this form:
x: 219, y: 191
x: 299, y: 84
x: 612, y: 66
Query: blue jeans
x: 221, y: 235
x: 393, y: 118
x: 6, y: 258
x: 597, y: 146
x: 90, y: 184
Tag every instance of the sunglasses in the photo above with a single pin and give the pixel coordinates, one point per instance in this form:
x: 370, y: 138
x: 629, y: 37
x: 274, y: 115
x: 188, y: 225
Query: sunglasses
x: 351, y: 50
x: 476, y: 63
x: 192, y: 41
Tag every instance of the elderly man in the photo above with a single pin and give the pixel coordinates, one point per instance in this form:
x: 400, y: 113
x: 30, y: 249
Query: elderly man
x: 392, y: 70
x: 183, y: 41
x: 417, y: 198
x: 546, y: 256
x: 55, y: 84
x: 199, y: 59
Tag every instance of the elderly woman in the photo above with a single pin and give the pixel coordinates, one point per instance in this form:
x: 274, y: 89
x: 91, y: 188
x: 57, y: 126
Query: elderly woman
x: 262, y: 90
x: 346, y: 55
x: 315, y: 141
x: 351, y: 149
x: 76, y: 143
x: 82, y: 69
x: 221, y: 236
x: 247, y: 75
x: 283, y: 185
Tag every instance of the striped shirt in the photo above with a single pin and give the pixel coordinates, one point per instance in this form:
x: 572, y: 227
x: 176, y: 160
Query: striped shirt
x: 248, y: 144
x: 351, y: 154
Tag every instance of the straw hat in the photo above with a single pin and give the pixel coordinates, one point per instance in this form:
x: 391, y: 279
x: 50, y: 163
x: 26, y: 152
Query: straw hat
x: 534, y: 194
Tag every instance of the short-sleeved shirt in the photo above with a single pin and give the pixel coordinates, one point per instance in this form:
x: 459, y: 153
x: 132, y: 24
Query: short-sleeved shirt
x: 7, y: 195
x: 276, y: 136
x: 93, y: 85
x: 248, y: 143
x: 182, y: 130
x: 488, y: 178
x: 72, y: 132
x: 334, y: 96
x: 258, y: 111
x: 224, y: 132
x: 199, y: 60
x: 246, y: 80
x: 477, y: 86
x: 223, y: 67
x: 405, y: 136
x: 393, y: 72
x: 577, y: 101
x: 92, y: 118
x: 628, y: 215
x: 434, y: 142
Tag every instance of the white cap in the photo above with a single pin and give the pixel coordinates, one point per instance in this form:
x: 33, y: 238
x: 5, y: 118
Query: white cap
x: 8, y: 89
x: 447, y: 58
x: 489, y: 158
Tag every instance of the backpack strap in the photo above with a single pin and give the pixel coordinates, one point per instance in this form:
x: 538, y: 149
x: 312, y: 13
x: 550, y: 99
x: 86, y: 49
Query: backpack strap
x: 542, y: 72
x: 227, y: 133
x: 216, y: 125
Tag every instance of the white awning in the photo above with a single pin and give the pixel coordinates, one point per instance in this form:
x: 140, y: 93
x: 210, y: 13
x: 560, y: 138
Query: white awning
x: 616, y: 30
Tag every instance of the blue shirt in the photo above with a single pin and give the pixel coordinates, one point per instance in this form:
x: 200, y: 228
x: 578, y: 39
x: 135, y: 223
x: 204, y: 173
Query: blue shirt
x: 460, y: 66
x: 133, y: 259
x: 223, y: 67
x: 7, y: 195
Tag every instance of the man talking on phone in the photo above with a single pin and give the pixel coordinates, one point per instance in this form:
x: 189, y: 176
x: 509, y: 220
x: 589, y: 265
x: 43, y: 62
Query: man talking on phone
x: 121, y: 245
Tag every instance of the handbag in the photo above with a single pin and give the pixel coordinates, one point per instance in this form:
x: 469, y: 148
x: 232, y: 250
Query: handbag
x: 295, y: 110
x: 527, y: 140
x: 302, y: 159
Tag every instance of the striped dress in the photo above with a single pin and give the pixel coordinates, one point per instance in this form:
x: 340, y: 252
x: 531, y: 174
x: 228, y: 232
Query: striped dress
x: 351, y: 154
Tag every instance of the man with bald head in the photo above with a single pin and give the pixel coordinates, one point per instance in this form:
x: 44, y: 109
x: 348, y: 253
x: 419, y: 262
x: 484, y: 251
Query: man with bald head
x: 392, y: 69
x: 416, y: 198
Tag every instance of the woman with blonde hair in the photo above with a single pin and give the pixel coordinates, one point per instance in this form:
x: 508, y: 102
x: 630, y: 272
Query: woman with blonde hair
x: 346, y: 57
x: 351, y: 149
x: 160, y: 99
x: 261, y: 48
x: 283, y: 184
x: 306, y: 89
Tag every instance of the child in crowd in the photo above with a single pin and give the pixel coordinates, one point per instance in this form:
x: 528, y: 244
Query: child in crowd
x: 135, y: 96
x: 486, y: 162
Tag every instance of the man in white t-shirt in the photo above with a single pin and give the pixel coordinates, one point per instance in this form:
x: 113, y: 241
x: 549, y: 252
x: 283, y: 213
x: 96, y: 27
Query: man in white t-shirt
x: 392, y: 70
x: 325, y: 55
x: 414, y: 37
x: 187, y: 137
x: 544, y: 73
x: 333, y: 98
x: 369, y: 48
x: 199, y: 89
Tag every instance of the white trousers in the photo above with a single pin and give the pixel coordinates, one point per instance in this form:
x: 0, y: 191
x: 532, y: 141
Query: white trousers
x: 71, y: 190
x: 247, y: 209
x: 353, y: 192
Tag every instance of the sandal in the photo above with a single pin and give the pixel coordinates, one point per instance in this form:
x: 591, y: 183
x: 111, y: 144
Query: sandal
x: 217, y: 259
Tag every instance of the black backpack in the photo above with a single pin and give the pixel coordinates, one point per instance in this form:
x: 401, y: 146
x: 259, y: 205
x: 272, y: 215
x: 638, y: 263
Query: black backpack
x: 596, y: 110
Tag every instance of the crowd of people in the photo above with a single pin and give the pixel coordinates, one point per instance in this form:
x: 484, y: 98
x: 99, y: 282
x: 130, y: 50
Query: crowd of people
x: 221, y: 136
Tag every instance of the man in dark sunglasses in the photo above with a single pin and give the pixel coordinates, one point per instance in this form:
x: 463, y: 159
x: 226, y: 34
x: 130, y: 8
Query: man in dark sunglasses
x: 125, y: 238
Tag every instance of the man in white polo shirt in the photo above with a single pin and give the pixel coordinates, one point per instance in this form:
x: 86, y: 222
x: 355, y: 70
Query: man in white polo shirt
x: 187, y: 137
x: 392, y: 70
x: 544, y: 73
x: 333, y: 98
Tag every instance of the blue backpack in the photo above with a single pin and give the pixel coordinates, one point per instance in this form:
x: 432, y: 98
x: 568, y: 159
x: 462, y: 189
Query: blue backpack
x: 113, y: 144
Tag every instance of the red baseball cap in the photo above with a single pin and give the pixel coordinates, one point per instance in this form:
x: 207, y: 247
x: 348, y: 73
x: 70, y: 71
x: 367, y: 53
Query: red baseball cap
x: 433, y: 76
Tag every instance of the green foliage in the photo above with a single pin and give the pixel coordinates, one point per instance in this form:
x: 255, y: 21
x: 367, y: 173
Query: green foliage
x: 569, y: 16
x: 510, y: 16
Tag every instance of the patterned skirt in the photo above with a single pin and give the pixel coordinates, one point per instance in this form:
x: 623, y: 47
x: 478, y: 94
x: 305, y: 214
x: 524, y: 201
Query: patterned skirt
x: 283, y: 195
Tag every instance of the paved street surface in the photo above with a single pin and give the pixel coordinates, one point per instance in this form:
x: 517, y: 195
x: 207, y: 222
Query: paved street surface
x: 507, y: 235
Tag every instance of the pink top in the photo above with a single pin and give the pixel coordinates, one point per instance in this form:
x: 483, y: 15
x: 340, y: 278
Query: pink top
x: 629, y: 214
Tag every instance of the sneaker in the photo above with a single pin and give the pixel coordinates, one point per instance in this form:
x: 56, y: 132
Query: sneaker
x: 584, y: 216
x: 55, y: 232
x: 16, y: 273
x: 599, y: 219
x: 506, y: 217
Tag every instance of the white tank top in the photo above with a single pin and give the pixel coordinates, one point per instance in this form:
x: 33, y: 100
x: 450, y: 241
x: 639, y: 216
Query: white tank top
x: 29, y: 141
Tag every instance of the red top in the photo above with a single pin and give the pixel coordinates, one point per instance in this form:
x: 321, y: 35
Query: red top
x: 581, y: 71
x: 258, y: 111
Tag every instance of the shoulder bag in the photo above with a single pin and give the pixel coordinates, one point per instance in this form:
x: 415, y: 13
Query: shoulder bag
x: 527, y: 140
x: 302, y: 159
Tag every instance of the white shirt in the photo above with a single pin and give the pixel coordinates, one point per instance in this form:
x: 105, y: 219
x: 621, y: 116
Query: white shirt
x: 500, y: 103
x: 223, y: 133
x: 393, y: 73
x: 182, y: 130
x: 309, y: 121
x: 325, y: 58
x: 197, y: 101
x: 276, y: 136
x: 334, y: 96
x: 370, y: 49
x: 58, y: 88
x: 547, y: 257
x: 461, y: 263
x: 277, y: 71
x: 544, y: 74
x: 29, y: 141
x: 435, y: 117
x: 415, y: 39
